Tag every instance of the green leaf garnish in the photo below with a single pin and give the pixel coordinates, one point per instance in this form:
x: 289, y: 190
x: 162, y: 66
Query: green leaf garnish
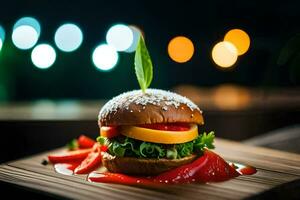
x: 73, y: 144
x: 143, y: 65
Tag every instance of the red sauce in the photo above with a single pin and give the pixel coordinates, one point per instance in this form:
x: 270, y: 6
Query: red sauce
x: 244, y: 169
x: 248, y: 170
x: 66, y: 168
x: 107, y: 177
x: 208, y: 168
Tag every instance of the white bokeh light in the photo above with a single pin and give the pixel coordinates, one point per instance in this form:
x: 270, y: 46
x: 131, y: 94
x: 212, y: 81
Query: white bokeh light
x: 1, y: 44
x: 26, y: 32
x: 105, y: 57
x: 24, y: 37
x: 68, y: 37
x: 120, y: 36
x: 43, y: 56
x: 136, y: 35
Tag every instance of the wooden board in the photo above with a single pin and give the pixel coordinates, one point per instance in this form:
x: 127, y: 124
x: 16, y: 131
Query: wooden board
x: 274, y: 168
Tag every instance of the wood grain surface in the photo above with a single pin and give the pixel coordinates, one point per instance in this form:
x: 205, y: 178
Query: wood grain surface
x: 274, y: 169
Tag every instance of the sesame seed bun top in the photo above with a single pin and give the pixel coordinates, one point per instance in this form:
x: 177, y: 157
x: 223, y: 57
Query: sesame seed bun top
x: 153, y: 106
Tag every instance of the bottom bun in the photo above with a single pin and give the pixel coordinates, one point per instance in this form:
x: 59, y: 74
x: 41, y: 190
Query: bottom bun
x: 143, y: 166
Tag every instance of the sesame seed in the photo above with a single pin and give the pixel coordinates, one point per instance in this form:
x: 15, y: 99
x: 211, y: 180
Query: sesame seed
x: 165, y: 108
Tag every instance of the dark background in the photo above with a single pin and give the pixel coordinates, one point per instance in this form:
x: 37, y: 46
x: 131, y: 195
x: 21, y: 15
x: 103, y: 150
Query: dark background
x: 270, y: 25
x: 273, y: 27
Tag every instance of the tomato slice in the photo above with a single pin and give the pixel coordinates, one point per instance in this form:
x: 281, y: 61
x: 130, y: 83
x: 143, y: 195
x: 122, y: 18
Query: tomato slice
x: 85, y: 142
x: 109, y: 131
x: 104, y: 148
x: 91, y: 162
x: 168, y: 126
x: 69, y: 156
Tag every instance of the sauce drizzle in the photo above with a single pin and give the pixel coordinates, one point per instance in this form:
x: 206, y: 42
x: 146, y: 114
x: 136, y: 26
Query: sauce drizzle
x: 210, y: 167
x: 66, y: 168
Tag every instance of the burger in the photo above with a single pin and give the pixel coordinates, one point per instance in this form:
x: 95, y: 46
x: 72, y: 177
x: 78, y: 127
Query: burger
x: 147, y: 133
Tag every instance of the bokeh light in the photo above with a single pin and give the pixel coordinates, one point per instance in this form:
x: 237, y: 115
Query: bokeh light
x: 43, y: 56
x: 105, y: 57
x: 231, y: 97
x: 28, y: 21
x: 2, y: 37
x: 120, y: 36
x: 224, y: 54
x: 47, y: 109
x: 26, y: 32
x: 136, y: 35
x: 181, y: 49
x: 68, y: 37
x: 240, y: 39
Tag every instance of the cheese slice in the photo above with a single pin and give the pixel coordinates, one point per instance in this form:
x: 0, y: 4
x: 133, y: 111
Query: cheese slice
x: 160, y: 136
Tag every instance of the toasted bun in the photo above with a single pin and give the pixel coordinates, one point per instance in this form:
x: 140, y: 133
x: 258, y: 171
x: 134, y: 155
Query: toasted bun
x: 154, y: 106
x: 142, y: 166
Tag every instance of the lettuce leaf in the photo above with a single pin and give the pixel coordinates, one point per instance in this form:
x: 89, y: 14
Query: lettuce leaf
x: 127, y: 147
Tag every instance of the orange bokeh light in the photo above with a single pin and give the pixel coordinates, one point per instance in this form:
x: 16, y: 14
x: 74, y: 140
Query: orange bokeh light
x: 240, y: 39
x: 231, y: 97
x: 181, y: 49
